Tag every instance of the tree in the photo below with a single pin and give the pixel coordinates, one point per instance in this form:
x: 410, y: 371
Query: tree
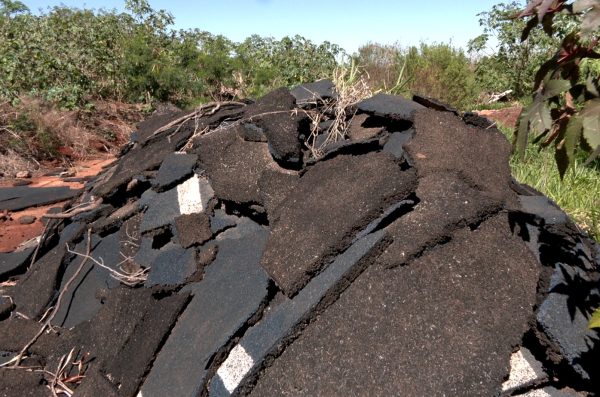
x: 566, y: 102
x: 514, y: 63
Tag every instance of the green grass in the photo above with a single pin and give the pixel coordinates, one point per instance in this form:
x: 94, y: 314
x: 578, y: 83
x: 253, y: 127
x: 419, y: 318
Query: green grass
x: 578, y: 194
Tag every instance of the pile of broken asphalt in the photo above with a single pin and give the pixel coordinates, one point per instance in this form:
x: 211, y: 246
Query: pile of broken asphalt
x: 240, y: 251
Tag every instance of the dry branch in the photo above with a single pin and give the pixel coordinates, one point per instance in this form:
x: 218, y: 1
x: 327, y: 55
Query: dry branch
x: 75, y: 211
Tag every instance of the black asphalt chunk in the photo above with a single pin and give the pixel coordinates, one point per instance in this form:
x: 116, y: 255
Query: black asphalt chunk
x: 175, y: 168
x: 233, y: 289
x: 172, y: 266
x: 164, y: 114
x: 476, y: 120
x: 396, y: 141
x: 251, y: 132
x: 139, y: 160
x: 22, y: 197
x: 433, y: 103
x: 146, y: 254
x: 425, y: 329
x: 81, y: 301
x: 6, y: 306
x: 311, y: 93
x: 543, y: 208
x: 274, y: 331
x: 346, y: 146
x: 116, y: 218
x: 357, y: 132
x: 35, y: 291
x: 311, y: 228
x: 234, y: 166
x: 276, y: 115
x: 221, y: 221
x: 483, y: 162
x: 21, y: 383
x: 446, y: 203
x: 14, y: 262
x: 392, y: 106
x: 190, y: 196
x: 274, y: 187
x: 561, y: 318
x: 125, y: 335
x: 282, y: 131
x: 193, y: 229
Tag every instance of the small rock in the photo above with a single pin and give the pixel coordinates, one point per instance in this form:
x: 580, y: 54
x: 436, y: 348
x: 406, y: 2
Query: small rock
x: 27, y: 220
x: 23, y: 174
x: 67, y: 174
x: 21, y: 182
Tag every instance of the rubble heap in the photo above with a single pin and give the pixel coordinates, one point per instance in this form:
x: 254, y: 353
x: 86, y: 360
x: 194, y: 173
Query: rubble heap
x: 253, y: 249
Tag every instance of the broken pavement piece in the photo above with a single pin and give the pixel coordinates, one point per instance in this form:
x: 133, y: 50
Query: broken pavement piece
x: 13, y: 262
x: 283, y: 135
x: 233, y: 289
x: 310, y: 228
x: 193, y: 229
x: 422, y: 328
x: 433, y: 103
x: 543, y: 208
x: 476, y: 120
x: 189, y: 197
x: 357, y: 132
x: 525, y: 371
x: 221, y: 221
x: 81, y: 302
x: 234, y: 166
x: 175, y: 168
x: 252, y: 133
x: 22, y: 197
x: 311, y: 93
x: 172, y: 266
x: 396, y: 141
x: 392, y: 106
x: 447, y: 203
x: 272, y: 333
x: 483, y: 162
x: 561, y: 319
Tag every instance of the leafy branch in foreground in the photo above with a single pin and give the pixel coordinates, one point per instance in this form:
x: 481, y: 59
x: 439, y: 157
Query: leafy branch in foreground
x: 566, y: 103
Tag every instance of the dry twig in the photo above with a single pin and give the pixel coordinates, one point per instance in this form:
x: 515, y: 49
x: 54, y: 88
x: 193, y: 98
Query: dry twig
x: 75, y: 210
x: 129, y: 278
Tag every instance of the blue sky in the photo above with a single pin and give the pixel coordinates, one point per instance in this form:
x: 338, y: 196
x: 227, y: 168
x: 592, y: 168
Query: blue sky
x: 348, y: 23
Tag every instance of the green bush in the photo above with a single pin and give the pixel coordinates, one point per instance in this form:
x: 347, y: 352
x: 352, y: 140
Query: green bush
x: 68, y: 56
x: 436, y: 70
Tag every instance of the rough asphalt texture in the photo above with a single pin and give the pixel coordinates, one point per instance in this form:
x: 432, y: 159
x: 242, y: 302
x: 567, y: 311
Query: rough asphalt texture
x: 403, y: 261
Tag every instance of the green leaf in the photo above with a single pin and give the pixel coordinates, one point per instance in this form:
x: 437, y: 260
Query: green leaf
x: 539, y: 116
x: 555, y: 87
x: 591, y: 131
x: 595, y: 320
x: 572, y: 137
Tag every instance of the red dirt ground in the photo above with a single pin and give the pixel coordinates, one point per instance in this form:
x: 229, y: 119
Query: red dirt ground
x: 507, y: 117
x: 12, y: 233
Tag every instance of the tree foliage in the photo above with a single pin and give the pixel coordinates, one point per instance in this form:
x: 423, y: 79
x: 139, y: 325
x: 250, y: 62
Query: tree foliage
x: 70, y: 55
x: 565, y: 110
